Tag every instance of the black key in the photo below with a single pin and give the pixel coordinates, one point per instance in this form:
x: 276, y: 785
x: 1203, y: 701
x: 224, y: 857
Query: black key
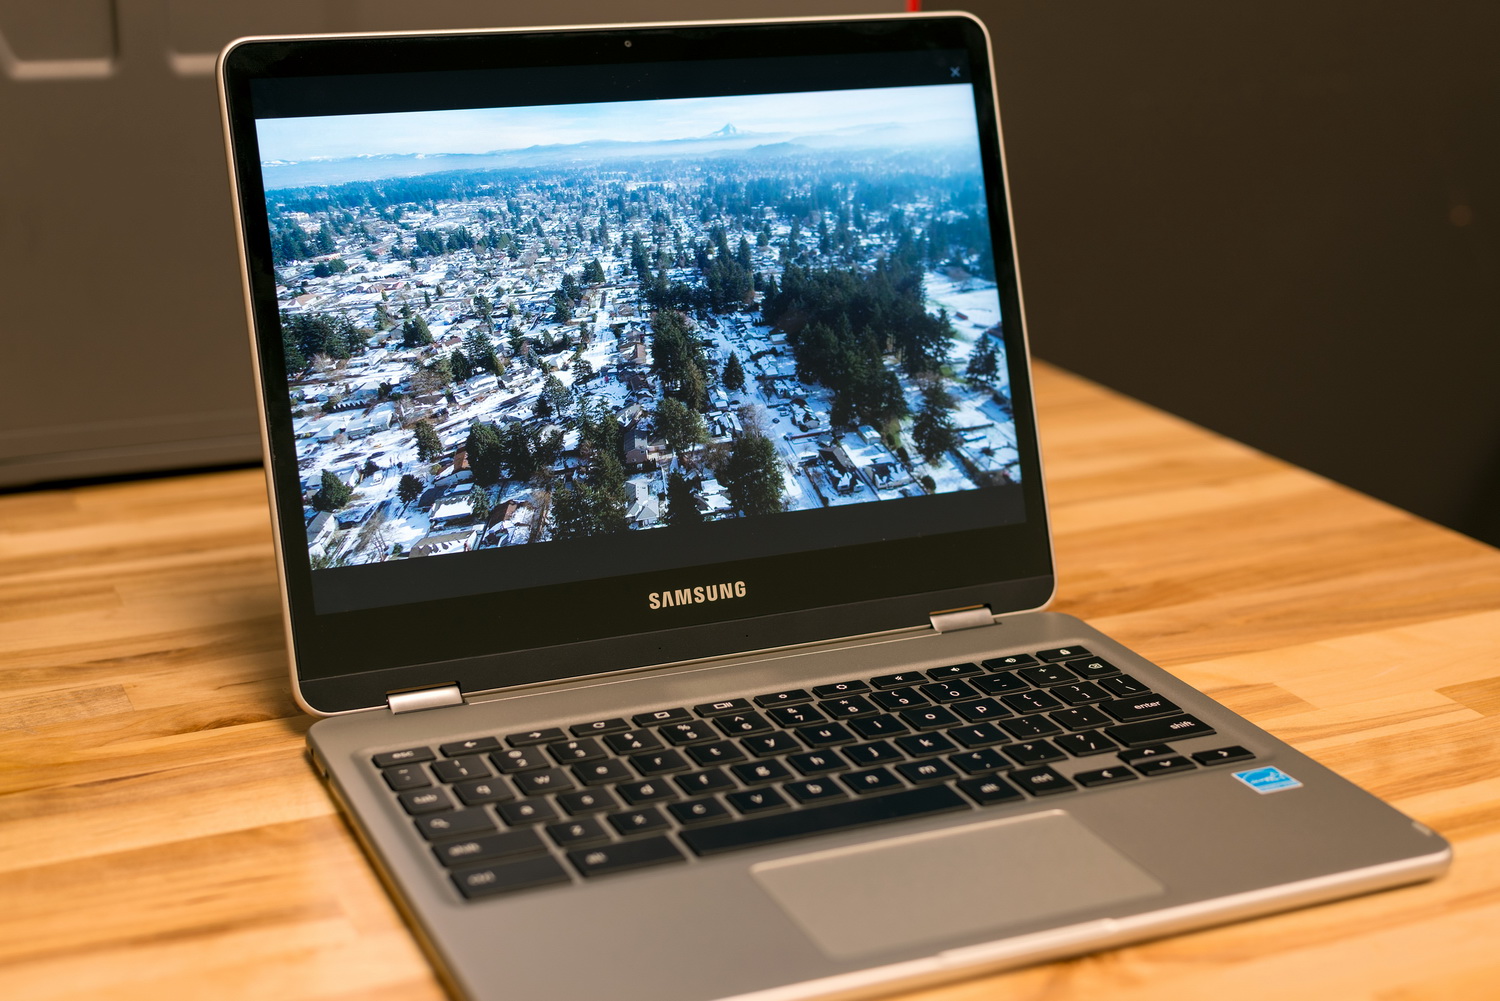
x: 922, y: 745
x: 790, y: 716
x: 768, y: 744
x: 979, y: 735
x: 900, y: 698
x: 1162, y: 766
x: 949, y: 691
x: 520, y: 760
x: 1000, y: 684
x: 409, y: 756
x: 1149, y: 751
x: 757, y: 800
x: 646, y: 820
x: 575, y: 833
x: 815, y: 790
x: 543, y: 781
x: 526, y: 811
x: 646, y: 791
x: 454, y: 824
x: 851, y: 707
x: 637, y: 854
x: 1223, y: 755
x: 1044, y: 675
x: 459, y: 769
x: 954, y: 671
x: 990, y: 789
x: 1064, y: 653
x: 473, y: 745
x: 875, y: 727
x: 872, y: 780
x: 1008, y: 663
x: 824, y: 735
x: 722, y: 708
x: 490, y: 846
x: 902, y: 680
x: 699, y: 811
x: 1122, y: 685
x: 1093, y: 668
x: 662, y: 717
x: 1030, y: 702
x: 709, y: 780
x: 659, y: 763
x: 840, y: 688
x: 930, y: 718
x: 406, y: 777
x: 743, y: 724
x: 1081, y: 745
x: 587, y: 801
x: 787, y: 698
x: 631, y: 741
x: 532, y: 737
x: 1026, y: 727
x: 823, y: 818
x: 419, y: 801
x: 980, y: 709
x: 756, y: 772
x: 599, y: 727
x: 1041, y: 781
x: 1034, y: 752
x: 1082, y: 718
x: 602, y: 772
x: 506, y: 877
x: 692, y: 732
x: 817, y: 762
x: 878, y: 752
x: 985, y: 759
x: 720, y: 752
x: 1080, y: 694
x: 572, y: 752
x: 1105, y: 776
x: 478, y: 791
x: 917, y: 772
x: 1157, y: 730
x: 1146, y: 706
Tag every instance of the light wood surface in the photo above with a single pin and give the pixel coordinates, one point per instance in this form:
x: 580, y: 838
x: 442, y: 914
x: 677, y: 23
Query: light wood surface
x: 161, y: 835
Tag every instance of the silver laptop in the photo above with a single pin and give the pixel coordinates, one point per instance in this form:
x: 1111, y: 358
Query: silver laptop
x: 651, y: 448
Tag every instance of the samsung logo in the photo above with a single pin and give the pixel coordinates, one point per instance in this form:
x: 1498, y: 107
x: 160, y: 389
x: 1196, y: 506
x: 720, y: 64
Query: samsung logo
x: 696, y: 595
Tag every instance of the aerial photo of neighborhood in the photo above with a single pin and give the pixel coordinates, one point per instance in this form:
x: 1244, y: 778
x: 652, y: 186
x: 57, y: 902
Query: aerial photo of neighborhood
x: 518, y: 325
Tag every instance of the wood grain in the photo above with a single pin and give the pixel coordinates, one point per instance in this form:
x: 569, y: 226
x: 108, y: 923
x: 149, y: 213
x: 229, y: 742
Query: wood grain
x: 161, y: 835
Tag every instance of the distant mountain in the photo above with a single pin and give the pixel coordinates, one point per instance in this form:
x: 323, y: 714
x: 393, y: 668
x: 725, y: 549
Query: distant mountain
x: 727, y: 130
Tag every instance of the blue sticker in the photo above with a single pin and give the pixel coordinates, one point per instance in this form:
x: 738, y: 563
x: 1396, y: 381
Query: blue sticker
x: 1265, y: 780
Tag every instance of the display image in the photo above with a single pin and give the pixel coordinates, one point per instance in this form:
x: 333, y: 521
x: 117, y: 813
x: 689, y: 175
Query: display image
x: 517, y: 325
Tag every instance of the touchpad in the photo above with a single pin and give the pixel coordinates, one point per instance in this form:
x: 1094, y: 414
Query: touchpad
x: 952, y: 885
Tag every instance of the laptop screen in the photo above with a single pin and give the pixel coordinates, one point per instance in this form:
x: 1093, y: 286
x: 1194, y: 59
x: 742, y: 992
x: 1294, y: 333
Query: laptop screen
x: 689, y: 325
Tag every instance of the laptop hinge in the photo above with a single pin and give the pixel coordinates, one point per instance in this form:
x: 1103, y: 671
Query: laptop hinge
x: 962, y: 618
x: 425, y: 698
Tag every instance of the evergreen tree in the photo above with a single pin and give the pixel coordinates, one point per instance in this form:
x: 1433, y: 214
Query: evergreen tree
x: 679, y: 426
x: 593, y: 272
x: 984, y: 362
x: 682, y: 502
x: 333, y: 494
x: 479, y: 504
x: 458, y: 364
x: 409, y: 489
x: 486, y: 451
x: 415, y: 333
x: 752, y: 476
x: 558, y: 396
x: 429, y: 445
x: 933, y: 430
x: 734, y: 374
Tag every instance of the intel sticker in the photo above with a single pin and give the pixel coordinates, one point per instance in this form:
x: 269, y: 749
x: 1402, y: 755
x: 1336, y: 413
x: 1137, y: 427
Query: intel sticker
x: 1265, y: 780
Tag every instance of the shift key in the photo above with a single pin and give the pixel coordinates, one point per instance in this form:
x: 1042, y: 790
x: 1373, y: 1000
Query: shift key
x: 1158, y: 730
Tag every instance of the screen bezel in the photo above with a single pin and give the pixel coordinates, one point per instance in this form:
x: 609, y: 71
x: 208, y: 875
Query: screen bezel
x: 350, y: 660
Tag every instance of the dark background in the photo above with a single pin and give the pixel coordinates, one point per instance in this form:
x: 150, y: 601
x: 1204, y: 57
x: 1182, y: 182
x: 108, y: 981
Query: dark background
x: 1274, y: 217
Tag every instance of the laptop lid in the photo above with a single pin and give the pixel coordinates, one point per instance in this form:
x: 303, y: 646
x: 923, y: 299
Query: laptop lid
x: 585, y: 350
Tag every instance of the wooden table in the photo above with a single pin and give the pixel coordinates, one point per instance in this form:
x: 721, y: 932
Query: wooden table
x: 161, y: 835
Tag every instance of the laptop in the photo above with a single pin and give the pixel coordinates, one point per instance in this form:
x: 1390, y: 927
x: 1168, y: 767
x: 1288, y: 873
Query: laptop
x: 651, y: 450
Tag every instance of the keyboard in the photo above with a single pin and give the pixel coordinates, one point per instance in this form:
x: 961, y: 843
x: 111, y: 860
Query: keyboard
x: 580, y: 801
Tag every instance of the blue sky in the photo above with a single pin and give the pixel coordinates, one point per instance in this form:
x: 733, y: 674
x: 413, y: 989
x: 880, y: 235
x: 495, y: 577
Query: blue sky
x: 942, y: 112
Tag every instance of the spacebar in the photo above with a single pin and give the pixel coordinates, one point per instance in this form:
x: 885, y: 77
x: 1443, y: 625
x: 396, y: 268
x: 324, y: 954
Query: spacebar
x: 821, y: 819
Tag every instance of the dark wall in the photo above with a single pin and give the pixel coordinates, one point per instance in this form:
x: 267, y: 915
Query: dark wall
x: 1279, y: 219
